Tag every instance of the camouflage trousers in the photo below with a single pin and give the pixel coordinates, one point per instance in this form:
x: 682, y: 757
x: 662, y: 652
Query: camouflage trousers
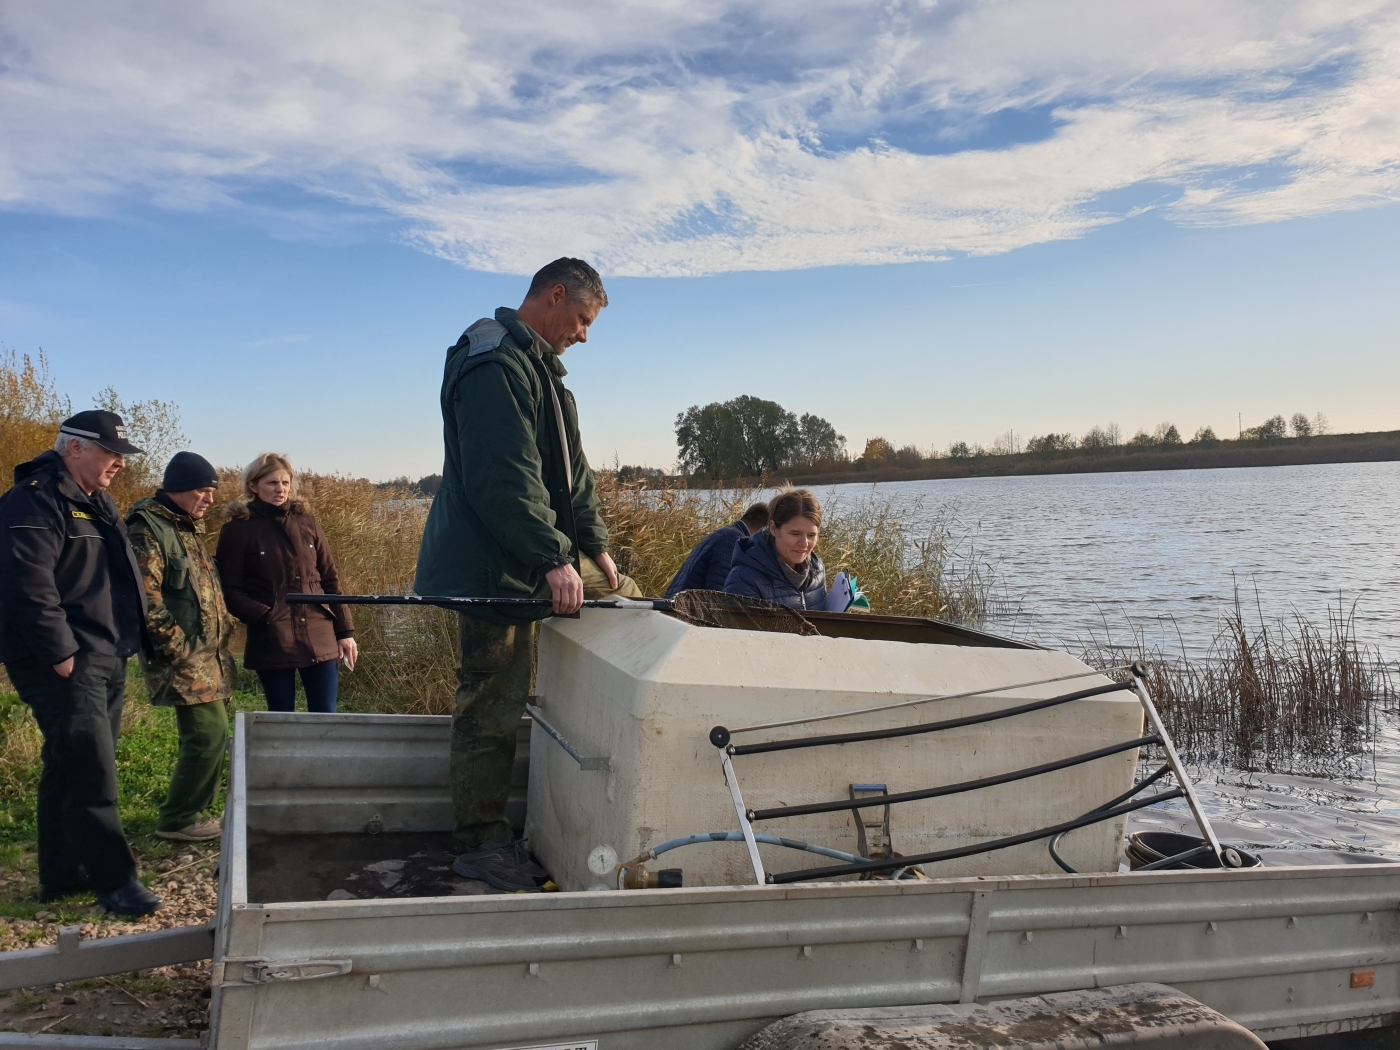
x: 494, y: 682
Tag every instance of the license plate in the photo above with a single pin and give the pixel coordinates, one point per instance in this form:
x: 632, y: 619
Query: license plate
x: 581, y: 1044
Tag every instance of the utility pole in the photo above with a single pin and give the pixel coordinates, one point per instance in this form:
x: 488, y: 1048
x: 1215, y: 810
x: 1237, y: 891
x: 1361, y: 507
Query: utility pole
x: 1240, y: 418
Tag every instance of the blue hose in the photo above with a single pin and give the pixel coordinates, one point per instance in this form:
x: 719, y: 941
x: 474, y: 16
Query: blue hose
x: 738, y: 836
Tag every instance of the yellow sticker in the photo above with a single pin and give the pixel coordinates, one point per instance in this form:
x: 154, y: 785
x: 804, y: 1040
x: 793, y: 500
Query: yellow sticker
x: 83, y: 514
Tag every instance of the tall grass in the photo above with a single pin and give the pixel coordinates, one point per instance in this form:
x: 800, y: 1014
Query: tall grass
x: 1284, y: 697
x: 926, y: 570
x: 408, y: 656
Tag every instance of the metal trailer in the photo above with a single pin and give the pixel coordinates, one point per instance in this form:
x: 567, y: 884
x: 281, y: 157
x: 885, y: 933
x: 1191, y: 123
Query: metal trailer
x: 1285, y: 952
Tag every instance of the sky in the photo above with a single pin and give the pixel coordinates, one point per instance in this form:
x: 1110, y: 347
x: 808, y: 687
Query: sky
x: 927, y: 221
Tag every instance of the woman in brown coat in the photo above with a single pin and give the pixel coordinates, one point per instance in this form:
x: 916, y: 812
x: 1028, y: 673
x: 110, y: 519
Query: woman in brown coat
x: 271, y: 547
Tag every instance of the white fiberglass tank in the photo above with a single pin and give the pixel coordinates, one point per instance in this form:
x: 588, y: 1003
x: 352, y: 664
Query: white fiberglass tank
x: 643, y: 690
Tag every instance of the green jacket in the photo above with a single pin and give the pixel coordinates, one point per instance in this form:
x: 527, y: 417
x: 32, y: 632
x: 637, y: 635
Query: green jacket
x: 186, y: 621
x: 509, y: 510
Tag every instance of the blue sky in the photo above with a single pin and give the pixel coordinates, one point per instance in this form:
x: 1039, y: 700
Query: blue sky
x: 930, y: 222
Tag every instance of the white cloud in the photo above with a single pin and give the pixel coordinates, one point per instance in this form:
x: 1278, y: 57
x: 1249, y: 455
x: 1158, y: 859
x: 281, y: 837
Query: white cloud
x: 670, y: 138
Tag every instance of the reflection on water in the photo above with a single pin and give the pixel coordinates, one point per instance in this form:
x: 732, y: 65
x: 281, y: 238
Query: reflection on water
x: 1289, y: 819
x: 1083, y: 555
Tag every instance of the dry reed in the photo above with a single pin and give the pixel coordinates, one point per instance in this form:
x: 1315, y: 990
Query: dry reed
x: 1291, y: 697
x: 408, y: 656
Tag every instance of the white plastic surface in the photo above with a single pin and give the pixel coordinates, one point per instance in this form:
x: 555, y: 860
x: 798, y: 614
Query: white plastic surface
x: 645, y: 689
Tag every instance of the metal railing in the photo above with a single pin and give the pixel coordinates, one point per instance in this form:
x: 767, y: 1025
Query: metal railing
x: 73, y: 958
x: 722, y: 739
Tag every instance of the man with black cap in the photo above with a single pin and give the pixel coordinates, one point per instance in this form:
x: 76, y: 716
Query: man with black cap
x: 188, y: 629
x: 72, y: 612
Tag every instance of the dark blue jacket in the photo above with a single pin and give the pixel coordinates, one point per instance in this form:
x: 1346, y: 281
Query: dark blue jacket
x: 69, y: 581
x: 757, y: 572
x: 707, y: 567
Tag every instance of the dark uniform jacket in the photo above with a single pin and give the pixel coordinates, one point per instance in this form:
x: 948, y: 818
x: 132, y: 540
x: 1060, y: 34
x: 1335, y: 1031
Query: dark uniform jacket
x: 757, y: 571
x: 707, y: 567
x: 517, y: 497
x: 265, y: 553
x: 69, y: 581
x: 188, y: 626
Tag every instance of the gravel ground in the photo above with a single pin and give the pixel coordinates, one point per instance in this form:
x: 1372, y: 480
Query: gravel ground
x: 171, y: 1001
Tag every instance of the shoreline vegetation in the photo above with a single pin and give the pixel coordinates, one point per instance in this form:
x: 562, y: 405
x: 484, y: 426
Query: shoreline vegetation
x: 909, y: 465
x: 748, y: 442
x: 1383, y: 446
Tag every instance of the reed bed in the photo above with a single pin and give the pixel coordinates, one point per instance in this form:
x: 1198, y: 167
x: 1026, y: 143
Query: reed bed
x: 1279, y: 697
x: 1288, y: 697
x: 909, y: 570
x: 408, y: 656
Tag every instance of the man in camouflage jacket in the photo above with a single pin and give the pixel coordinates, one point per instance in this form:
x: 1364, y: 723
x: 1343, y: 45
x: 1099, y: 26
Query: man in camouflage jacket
x: 189, y: 629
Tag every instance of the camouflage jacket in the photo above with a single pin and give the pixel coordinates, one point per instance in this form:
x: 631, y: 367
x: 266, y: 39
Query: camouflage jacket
x: 187, y: 622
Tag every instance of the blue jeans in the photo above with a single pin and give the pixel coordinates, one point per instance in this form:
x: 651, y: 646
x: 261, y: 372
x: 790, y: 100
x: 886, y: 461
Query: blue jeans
x: 319, y: 680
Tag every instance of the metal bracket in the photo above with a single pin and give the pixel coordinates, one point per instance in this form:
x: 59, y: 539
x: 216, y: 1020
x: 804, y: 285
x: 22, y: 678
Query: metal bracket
x: 872, y: 836
x: 1226, y: 858
x: 976, y: 948
x: 583, y: 763
x: 719, y: 737
x: 258, y: 970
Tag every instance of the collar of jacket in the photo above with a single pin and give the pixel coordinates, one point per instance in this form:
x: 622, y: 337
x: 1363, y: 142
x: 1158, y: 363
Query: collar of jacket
x: 244, y: 509
x: 267, y: 510
x: 163, y: 506
x: 51, y: 463
x: 529, y: 340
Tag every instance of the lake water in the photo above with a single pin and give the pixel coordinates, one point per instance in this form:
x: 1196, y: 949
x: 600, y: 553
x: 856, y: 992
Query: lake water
x: 1084, y: 557
x: 1080, y: 557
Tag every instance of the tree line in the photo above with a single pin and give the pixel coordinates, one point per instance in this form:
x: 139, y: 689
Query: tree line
x: 749, y: 437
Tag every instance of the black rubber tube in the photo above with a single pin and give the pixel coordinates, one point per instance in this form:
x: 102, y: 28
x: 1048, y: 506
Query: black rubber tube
x: 1176, y: 858
x: 1163, y: 771
x: 1092, y: 817
x: 951, y: 789
x: 926, y: 727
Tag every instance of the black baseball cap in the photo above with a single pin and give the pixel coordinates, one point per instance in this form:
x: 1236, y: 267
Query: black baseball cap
x: 105, y: 428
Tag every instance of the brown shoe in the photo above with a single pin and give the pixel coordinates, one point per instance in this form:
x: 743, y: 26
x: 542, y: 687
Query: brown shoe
x: 199, y: 831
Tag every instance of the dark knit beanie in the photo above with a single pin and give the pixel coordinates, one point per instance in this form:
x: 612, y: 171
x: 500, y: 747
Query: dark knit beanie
x: 187, y: 471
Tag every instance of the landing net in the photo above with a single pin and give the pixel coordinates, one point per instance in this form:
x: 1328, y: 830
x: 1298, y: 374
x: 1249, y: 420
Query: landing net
x: 738, y: 613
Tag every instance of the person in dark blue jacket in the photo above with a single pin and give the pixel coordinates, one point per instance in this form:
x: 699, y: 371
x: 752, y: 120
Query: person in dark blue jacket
x: 72, y: 613
x: 707, y: 566
x: 780, y: 563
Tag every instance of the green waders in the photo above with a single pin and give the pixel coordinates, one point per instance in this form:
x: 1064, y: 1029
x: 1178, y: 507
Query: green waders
x: 494, y: 683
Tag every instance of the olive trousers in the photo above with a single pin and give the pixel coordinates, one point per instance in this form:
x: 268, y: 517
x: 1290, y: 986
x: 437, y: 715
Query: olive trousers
x: 199, y: 766
x: 495, y: 680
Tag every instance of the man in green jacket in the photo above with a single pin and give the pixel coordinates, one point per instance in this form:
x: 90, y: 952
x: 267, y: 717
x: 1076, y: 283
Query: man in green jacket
x: 517, y: 517
x: 191, y: 668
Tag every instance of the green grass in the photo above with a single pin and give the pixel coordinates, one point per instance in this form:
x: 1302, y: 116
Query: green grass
x: 145, y: 759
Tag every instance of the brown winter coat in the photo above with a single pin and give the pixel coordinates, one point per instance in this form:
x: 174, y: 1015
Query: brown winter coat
x: 264, y: 553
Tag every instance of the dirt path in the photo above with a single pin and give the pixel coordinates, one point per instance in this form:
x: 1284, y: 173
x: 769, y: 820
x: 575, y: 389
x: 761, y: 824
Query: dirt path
x: 172, y: 1001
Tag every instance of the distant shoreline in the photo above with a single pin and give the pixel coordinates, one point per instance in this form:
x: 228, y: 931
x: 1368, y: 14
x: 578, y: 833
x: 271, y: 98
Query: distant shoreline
x: 1376, y: 447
